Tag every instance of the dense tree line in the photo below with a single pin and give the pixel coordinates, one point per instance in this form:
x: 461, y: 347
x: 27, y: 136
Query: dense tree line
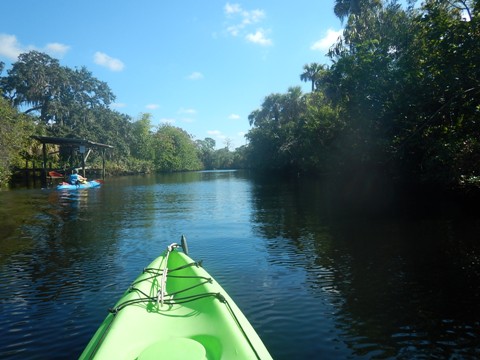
x: 402, y: 96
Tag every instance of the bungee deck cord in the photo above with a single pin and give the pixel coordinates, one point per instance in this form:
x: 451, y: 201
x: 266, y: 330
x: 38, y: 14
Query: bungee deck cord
x: 162, y: 297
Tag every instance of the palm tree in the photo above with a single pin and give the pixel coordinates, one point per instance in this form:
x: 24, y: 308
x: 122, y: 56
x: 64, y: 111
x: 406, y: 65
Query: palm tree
x: 311, y: 73
x: 345, y: 8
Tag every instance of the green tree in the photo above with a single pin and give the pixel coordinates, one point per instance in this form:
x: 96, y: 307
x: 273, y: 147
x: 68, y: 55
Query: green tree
x: 320, y: 150
x: 364, y: 83
x: 15, y: 132
x: 438, y: 123
x: 407, y: 86
x: 240, y: 158
x: 38, y: 84
x: 206, y: 151
x: 175, y: 150
x: 345, y: 8
x: 142, y: 138
x: 274, y: 138
x: 312, y: 72
x: 223, y: 159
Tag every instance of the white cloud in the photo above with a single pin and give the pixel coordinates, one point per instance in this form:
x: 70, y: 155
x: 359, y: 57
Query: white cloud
x: 244, y: 17
x: 259, y: 38
x: 195, y: 76
x: 57, y: 49
x: 252, y: 17
x: 327, y: 41
x: 240, y: 22
x: 232, y: 8
x: 11, y: 48
x: 152, y: 106
x: 234, y: 117
x: 233, y: 30
x: 103, y: 59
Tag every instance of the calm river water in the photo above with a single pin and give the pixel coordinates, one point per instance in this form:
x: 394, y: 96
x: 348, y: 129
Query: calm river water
x: 320, y: 272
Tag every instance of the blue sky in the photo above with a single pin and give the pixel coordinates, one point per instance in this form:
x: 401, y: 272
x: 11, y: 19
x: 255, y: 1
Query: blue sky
x: 203, y: 66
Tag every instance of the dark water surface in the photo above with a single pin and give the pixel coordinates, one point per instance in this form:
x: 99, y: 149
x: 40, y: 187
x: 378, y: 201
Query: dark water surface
x: 320, y: 273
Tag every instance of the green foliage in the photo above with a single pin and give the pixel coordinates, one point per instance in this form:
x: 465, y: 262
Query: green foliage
x: 15, y: 132
x: 274, y: 137
x: 129, y: 165
x: 142, y: 138
x: 312, y: 72
x: 293, y: 132
x: 437, y: 138
x: 240, y: 158
x: 223, y: 159
x: 402, y: 96
x: 40, y: 84
x: 206, y: 152
x: 175, y: 150
x: 346, y: 8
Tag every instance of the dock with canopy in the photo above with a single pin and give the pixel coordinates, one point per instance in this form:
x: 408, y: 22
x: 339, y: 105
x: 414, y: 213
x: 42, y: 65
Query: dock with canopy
x: 84, y: 147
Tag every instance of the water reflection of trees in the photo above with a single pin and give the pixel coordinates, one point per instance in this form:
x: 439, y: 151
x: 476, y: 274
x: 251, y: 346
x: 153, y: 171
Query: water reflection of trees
x: 404, y: 279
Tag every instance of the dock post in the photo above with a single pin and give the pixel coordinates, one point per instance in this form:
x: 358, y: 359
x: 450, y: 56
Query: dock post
x: 43, y: 176
x: 103, y: 164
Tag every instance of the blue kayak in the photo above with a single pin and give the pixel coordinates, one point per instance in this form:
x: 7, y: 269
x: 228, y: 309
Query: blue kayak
x: 86, y: 185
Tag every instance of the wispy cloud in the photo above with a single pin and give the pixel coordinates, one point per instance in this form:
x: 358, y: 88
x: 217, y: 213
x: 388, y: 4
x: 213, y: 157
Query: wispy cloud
x: 195, y: 76
x: 11, y: 48
x: 327, y: 41
x: 187, y: 111
x: 118, y: 105
x: 232, y: 9
x: 240, y: 23
x: 152, y: 106
x: 110, y: 63
x: 234, y: 117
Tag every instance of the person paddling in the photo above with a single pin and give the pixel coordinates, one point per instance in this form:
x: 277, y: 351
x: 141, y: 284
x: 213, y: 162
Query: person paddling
x: 75, y: 178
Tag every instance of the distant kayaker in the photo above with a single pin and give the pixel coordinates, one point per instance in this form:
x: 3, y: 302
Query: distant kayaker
x: 75, y: 178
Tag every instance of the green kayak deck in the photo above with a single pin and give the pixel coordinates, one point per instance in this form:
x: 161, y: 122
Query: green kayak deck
x: 175, y: 310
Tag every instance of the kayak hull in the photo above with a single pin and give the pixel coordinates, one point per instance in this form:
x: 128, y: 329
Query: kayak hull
x: 193, y: 318
x: 86, y: 185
